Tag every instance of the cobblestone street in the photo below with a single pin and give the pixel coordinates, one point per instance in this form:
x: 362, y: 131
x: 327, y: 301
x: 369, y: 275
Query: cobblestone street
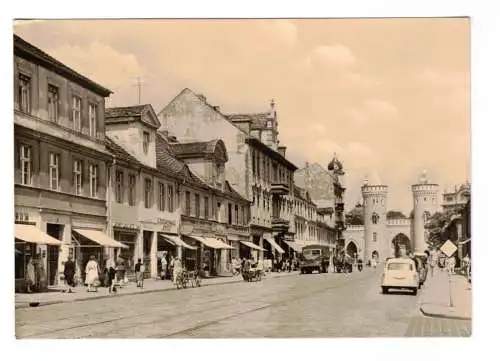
x: 326, y: 305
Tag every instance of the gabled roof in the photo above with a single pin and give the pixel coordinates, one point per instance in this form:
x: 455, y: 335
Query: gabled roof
x: 166, y: 160
x: 200, y: 149
x: 30, y: 52
x: 143, y: 113
x: 119, y: 152
x: 257, y: 120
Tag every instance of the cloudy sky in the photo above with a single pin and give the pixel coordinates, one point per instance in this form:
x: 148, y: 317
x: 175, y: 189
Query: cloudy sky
x: 389, y: 96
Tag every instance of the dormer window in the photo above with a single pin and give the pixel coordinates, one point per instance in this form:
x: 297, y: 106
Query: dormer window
x: 145, y: 142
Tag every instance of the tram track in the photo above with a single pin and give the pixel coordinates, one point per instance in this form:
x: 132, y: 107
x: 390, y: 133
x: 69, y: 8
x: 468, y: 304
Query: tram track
x: 221, y: 311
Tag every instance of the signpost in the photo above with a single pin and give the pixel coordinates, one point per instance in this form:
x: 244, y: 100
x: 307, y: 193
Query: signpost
x: 449, y: 249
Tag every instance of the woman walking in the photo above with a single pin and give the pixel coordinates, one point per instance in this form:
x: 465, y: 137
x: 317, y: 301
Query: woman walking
x: 111, y: 267
x: 92, y: 274
x: 30, y: 275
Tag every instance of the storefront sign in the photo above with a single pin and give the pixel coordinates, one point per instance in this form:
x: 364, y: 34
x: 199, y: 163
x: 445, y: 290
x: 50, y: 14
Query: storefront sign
x: 168, y: 226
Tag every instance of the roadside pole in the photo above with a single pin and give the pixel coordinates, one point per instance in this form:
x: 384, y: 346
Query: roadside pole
x: 449, y: 287
x: 449, y: 249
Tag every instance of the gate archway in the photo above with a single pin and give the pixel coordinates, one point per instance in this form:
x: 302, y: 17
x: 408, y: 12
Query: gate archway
x: 401, y: 245
x: 352, y: 249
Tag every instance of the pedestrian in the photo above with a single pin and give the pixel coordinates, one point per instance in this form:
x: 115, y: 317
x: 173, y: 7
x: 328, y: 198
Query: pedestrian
x: 111, y: 268
x: 69, y: 274
x: 92, y: 274
x: 177, y: 265
x: 164, y: 266
x: 30, y: 275
x: 139, y: 273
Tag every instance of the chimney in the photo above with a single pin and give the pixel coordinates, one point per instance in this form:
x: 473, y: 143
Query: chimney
x: 217, y: 107
x: 282, y: 150
x: 202, y: 97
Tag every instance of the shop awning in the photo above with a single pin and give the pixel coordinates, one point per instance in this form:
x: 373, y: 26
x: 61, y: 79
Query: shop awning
x: 212, y: 242
x: 176, y: 241
x: 275, y: 245
x: 297, y: 247
x: 99, y: 238
x: 31, y: 234
x: 253, y: 246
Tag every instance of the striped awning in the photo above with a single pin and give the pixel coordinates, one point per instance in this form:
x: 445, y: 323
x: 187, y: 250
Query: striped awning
x: 176, y: 241
x: 253, y: 246
x: 99, y: 238
x: 275, y: 245
x: 212, y: 242
x: 297, y: 247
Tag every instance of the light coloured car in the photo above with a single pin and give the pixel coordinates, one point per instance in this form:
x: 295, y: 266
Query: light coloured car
x: 400, y: 273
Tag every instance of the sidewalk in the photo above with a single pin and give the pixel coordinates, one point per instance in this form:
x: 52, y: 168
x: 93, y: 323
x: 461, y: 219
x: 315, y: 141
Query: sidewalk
x: 54, y: 296
x: 436, y: 296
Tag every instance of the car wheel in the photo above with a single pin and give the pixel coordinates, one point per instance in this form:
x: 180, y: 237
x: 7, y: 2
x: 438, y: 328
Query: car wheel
x: 385, y: 290
x: 415, y: 291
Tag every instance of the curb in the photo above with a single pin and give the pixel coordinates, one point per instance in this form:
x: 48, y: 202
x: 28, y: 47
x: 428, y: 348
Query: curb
x: 440, y: 315
x: 55, y: 302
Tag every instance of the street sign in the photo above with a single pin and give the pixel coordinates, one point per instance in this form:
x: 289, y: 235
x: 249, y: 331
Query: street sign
x: 448, y: 248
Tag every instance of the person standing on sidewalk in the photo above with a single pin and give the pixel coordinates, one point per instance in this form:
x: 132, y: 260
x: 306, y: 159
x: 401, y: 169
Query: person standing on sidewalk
x: 111, y: 268
x: 164, y: 266
x: 30, y: 275
x: 69, y: 274
x: 92, y: 274
x: 139, y: 273
x: 177, y: 264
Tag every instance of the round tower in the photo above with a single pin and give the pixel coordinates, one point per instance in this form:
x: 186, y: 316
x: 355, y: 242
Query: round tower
x: 425, y: 204
x: 375, y: 210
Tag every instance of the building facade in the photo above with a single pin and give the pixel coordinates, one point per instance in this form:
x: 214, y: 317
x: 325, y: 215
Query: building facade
x: 170, y: 197
x: 61, y: 161
x: 257, y: 166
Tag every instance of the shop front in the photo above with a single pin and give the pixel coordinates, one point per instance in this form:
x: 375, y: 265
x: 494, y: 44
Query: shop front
x: 236, y: 234
x: 36, y: 258
x: 212, y: 256
x: 92, y: 242
x: 273, y: 250
x: 174, y: 246
x: 250, y: 250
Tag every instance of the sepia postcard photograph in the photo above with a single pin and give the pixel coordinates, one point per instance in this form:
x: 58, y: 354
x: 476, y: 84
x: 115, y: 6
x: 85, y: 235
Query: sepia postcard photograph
x: 242, y: 178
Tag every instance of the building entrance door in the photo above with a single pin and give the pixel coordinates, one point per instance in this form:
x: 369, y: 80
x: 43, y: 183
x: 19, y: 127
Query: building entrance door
x: 53, y: 230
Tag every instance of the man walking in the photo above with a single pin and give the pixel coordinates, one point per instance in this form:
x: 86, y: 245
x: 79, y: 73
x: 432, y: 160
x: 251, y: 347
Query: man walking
x: 139, y: 273
x: 164, y: 265
x: 69, y: 274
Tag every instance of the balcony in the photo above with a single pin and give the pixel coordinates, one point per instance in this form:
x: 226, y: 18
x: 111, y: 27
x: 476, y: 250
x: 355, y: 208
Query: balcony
x: 279, y: 224
x: 280, y: 188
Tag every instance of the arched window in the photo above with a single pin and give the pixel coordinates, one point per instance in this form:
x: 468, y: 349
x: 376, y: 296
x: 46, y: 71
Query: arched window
x: 375, y: 218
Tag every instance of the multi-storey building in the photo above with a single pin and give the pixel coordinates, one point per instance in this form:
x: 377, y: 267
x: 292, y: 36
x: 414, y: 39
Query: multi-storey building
x: 169, y: 196
x: 257, y: 167
x: 60, y: 168
x: 456, y: 198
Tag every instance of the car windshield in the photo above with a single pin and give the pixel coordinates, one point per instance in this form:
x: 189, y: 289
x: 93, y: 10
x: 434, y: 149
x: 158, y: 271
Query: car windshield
x: 400, y: 267
x: 311, y: 253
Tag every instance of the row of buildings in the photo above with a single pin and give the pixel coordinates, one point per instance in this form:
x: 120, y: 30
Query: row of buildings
x: 128, y: 183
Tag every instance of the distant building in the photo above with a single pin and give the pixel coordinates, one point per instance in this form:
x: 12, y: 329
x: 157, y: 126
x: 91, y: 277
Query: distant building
x: 456, y: 198
x: 257, y: 166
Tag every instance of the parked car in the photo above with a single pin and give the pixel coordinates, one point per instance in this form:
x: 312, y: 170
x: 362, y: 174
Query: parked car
x: 400, y: 273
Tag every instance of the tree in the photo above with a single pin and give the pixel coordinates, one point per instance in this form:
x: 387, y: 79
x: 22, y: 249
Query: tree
x: 436, y: 228
x: 355, y: 216
x: 395, y: 214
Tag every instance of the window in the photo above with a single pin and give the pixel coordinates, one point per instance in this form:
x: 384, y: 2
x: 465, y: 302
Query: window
x: 236, y: 219
x: 218, y: 211
x: 205, y: 206
x: 197, y: 205
x: 145, y: 142
x: 170, y: 198
x: 131, y: 189
x: 54, y: 163
x: 53, y: 103
x: 25, y: 160
x: 374, y: 236
x: 400, y: 267
x: 92, y: 120
x: 375, y: 218
x: 148, y: 192
x: 119, y: 186
x: 187, y: 206
x: 77, y: 112
x: 24, y: 93
x: 161, y: 196
x: 77, y: 176
x: 229, y: 214
x: 93, y: 180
